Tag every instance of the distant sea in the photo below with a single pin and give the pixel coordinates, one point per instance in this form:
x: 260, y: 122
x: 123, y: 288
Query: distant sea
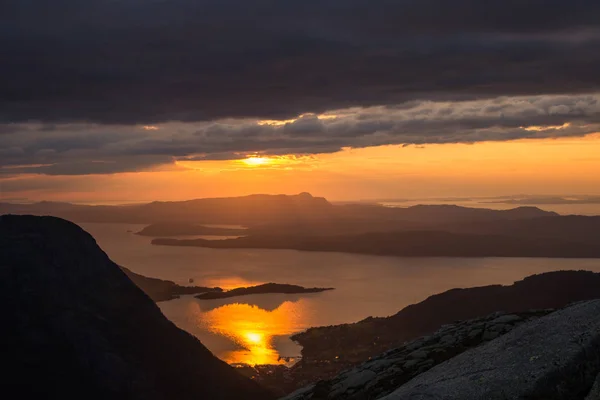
x: 256, y: 329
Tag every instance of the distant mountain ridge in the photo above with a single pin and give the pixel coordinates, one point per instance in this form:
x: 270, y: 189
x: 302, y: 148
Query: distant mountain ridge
x: 246, y: 210
x: 75, y: 327
x: 274, y: 212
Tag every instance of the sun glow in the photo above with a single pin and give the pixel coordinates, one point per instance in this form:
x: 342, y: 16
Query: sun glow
x: 256, y: 161
x: 255, y: 338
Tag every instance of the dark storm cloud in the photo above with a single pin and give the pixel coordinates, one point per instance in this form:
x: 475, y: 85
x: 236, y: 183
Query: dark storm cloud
x: 150, y: 61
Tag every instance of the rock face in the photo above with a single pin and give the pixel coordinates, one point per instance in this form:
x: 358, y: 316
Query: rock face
x: 554, y: 357
x: 383, y: 374
x: 75, y: 327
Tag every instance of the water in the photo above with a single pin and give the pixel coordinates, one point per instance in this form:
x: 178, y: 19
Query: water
x: 256, y: 329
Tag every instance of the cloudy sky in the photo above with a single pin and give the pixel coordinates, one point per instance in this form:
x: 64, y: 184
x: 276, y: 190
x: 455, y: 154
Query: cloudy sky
x: 135, y: 100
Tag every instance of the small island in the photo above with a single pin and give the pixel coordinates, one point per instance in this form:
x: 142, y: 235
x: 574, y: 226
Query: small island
x: 267, y: 288
x: 187, y: 229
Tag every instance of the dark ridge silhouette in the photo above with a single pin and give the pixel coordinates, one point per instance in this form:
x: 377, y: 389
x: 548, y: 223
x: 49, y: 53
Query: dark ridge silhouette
x: 185, y: 229
x: 75, y: 327
x: 276, y: 213
x: 353, y: 343
x: 410, y: 244
x: 266, y: 288
x: 247, y: 210
x: 584, y: 229
x: 161, y: 290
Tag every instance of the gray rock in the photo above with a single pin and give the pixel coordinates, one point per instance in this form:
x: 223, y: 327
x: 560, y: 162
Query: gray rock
x: 396, y: 367
x: 352, y: 381
x: 418, y: 354
x: 410, y: 363
x: 500, y: 328
x: 448, y: 339
x: 554, y: 357
x: 506, y: 319
x: 474, y: 333
x: 490, y: 335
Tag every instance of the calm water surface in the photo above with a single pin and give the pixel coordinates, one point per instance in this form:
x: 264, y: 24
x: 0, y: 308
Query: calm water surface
x: 256, y: 329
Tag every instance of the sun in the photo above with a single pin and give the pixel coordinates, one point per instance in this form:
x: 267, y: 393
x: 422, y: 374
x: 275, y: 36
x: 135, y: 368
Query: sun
x: 256, y: 161
x: 254, y: 338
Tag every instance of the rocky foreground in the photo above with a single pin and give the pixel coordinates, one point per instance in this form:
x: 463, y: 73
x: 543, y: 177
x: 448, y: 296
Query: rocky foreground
x: 74, y: 326
x: 533, y: 355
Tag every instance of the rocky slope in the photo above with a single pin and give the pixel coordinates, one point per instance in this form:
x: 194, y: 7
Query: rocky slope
x: 74, y: 326
x: 556, y: 357
x: 383, y: 374
x: 542, y: 354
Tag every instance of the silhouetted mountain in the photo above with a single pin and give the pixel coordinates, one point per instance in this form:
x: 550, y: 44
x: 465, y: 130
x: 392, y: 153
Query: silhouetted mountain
x: 161, y: 290
x: 75, y: 327
x: 301, y: 213
x: 344, y: 345
x: 247, y: 210
x: 409, y: 243
x: 574, y: 228
x: 260, y: 289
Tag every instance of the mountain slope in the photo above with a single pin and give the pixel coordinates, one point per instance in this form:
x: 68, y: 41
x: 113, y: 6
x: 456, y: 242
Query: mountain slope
x: 74, y: 326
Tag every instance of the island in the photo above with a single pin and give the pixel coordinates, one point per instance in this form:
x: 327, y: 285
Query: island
x: 267, y: 288
x: 185, y: 229
x: 512, y: 243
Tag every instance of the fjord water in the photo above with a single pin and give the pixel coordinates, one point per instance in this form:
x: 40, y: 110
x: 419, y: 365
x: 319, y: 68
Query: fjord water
x: 255, y: 329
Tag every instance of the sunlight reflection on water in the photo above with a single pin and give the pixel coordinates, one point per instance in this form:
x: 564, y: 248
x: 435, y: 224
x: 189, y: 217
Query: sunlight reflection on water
x: 252, y: 328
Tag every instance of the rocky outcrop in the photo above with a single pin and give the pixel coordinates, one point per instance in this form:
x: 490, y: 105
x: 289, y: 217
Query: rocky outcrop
x: 383, y: 374
x: 554, y: 357
x: 75, y: 327
x: 540, y: 355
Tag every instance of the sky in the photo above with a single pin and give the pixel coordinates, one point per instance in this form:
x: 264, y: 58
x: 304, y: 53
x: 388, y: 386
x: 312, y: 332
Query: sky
x: 138, y: 100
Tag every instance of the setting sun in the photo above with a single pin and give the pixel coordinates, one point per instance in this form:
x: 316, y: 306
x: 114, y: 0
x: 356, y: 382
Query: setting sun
x: 255, y: 161
x: 254, y: 337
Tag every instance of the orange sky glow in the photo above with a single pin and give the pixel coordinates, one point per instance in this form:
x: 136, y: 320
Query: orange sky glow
x: 530, y: 166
